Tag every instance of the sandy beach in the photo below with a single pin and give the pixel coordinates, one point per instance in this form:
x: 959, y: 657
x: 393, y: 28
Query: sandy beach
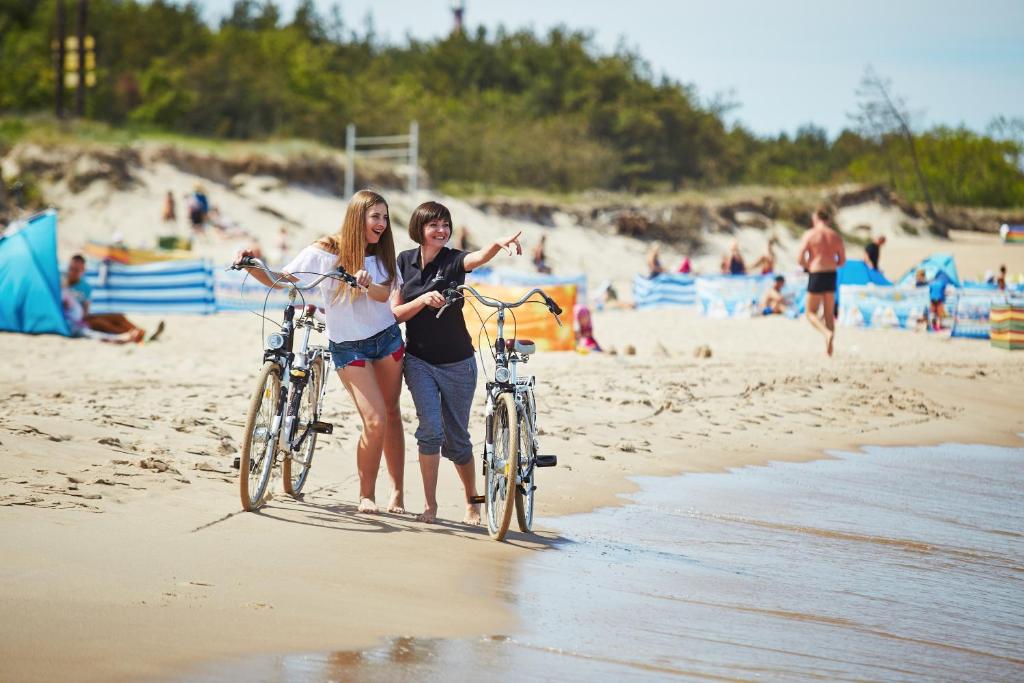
x: 127, y: 556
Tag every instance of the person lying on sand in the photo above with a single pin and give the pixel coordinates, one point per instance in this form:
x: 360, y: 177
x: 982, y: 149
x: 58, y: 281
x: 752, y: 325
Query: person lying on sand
x: 108, y: 327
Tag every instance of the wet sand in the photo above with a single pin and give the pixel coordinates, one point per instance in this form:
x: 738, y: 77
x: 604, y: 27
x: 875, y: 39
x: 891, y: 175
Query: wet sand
x: 126, y: 556
x: 891, y: 564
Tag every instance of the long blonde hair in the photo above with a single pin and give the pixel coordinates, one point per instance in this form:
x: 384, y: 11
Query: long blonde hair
x: 350, y: 244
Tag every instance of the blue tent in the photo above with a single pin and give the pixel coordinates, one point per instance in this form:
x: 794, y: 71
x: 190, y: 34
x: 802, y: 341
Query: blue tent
x: 857, y: 272
x: 29, y: 278
x: 932, y: 266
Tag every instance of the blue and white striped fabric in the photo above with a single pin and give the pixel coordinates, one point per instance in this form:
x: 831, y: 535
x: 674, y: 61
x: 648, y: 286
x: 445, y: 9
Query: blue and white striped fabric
x: 163, y: 287
x: 664, y: 290
x: 234, y: 291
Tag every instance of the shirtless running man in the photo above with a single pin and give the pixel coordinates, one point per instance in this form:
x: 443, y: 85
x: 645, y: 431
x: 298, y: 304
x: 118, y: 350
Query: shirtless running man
x: 821, y: 253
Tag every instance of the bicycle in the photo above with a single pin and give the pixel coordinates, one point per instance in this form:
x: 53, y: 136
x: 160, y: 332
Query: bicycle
x: 284, y: 411
x: 510, y: 442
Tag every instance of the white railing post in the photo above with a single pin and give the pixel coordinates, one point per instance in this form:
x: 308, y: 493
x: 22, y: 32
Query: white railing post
x: 414, y: 156
x: 395, y: 147
x: 350, y: 160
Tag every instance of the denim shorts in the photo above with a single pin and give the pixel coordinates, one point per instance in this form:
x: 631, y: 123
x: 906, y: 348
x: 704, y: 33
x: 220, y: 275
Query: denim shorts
x: 387, y: 342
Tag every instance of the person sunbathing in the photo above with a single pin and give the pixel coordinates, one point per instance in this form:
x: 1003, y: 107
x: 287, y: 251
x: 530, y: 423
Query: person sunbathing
x: 111, y: 327
x: 773, y: 302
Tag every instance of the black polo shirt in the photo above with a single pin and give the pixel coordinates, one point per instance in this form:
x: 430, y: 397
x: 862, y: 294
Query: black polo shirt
x: 429, y: 338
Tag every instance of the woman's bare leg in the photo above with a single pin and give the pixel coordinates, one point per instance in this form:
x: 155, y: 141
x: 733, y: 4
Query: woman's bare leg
x: 389, y: 378
x: 429, y: 465
x: 467, y: 473
x: 361, y: 383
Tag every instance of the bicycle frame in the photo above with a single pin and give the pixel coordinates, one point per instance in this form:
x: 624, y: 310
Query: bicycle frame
x: 294, y: 366
x: 505, y: 382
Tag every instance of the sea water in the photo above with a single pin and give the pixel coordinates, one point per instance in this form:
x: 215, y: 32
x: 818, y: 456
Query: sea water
x: 893, y: 564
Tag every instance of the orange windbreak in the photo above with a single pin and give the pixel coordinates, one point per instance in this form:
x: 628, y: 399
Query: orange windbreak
x: 532, y: 321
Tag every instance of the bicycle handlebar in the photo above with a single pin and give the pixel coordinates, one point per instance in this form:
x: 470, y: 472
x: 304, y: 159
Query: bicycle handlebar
x: 450, y: 294
x: 253, y: 262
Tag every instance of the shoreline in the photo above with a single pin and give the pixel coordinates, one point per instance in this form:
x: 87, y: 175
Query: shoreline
x: 123, y: 587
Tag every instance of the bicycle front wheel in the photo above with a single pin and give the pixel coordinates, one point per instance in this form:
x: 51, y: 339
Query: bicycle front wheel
x: 502, y: 467
x: 295, y: 468
x: 257, y: 459
x: 527, y: 471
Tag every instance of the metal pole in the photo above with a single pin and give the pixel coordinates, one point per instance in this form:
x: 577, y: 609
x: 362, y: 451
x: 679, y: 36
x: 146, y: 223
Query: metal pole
x: 414, y: 156
x: 350, y: 160
x: 59, y: 94
x: 80, y: 92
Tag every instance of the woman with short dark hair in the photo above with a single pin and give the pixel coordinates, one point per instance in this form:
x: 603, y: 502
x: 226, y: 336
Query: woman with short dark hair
x: 440, y: 369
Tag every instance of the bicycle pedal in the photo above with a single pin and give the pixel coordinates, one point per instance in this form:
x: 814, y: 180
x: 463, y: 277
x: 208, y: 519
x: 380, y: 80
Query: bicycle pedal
x: 477, y: 499
x: 237, y: 464
x: 546, y: 461
x: 322, y: 427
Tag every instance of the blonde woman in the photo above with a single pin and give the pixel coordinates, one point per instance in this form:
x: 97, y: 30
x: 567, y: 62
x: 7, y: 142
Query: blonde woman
x: 365, y: 341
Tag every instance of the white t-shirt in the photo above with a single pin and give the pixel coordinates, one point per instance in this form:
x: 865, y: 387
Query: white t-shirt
x: 347, y: 319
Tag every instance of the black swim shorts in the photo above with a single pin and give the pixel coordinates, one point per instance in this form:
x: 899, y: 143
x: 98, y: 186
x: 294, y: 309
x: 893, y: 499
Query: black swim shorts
x: 821, y: 283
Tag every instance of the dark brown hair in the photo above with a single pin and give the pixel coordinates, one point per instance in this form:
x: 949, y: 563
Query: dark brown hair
x: 824, y: 214
x: 424, y: 213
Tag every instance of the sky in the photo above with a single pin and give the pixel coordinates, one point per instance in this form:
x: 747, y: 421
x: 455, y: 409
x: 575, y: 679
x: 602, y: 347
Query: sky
x: 785, y: 63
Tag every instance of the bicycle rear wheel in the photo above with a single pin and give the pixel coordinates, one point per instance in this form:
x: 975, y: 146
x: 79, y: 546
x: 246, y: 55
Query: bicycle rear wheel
x: 502, y: 467
x: 295, y: 467
x: 257, y: 459
x: 527, y: 472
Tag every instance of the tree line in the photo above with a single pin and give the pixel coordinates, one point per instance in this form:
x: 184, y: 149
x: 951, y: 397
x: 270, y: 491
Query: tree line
x: 502, y: 108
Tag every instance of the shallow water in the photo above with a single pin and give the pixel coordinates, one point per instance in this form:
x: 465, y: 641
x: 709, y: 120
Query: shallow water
x: 892, y: 564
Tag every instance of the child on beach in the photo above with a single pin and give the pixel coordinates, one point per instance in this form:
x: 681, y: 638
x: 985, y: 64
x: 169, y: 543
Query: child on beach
x: 585, y: 341
x: 440, y: 368
x: 365, y: 342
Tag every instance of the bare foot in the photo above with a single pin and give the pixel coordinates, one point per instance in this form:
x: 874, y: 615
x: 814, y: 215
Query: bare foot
x: 367, y: 505
x: 830, y: 339
x: 472, y: 515
x: 397, y: 504
x: 156, y: 333
x: 428, y: 516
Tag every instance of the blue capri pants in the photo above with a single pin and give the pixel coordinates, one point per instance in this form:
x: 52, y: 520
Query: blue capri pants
x: 443, y: 395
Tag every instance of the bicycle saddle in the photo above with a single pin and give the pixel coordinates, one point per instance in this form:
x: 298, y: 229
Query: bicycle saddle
x: 523, y: 346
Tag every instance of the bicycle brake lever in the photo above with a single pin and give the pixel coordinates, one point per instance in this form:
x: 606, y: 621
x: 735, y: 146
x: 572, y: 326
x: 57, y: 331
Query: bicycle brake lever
x: 443, y: 308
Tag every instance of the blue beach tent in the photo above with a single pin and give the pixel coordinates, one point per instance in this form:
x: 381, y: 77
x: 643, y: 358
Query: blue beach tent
x: 29, y: 278
x: 933, y: 265
x: 857, y: 272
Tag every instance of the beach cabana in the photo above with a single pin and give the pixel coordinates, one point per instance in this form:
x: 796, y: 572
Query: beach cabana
x: 30, y: 279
